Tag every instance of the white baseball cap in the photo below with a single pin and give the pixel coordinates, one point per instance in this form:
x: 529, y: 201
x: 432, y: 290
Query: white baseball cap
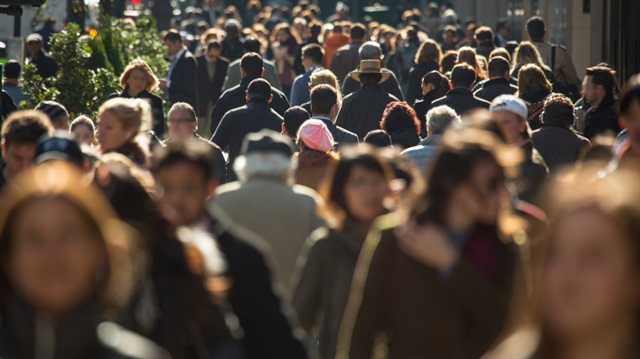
x: 510, y: 103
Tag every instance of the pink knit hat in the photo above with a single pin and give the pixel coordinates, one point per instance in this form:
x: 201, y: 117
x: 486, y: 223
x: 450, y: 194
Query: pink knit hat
x: 316, y: 135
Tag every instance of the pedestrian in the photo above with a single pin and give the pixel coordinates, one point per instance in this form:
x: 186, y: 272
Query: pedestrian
x: 11, y: 84
x: 526, y: 54
x: 434, y: 86
x: 83, y: 130
x: 265, y: 202
x: 323, y: 77
x: 503, y: 32
x: 378, y: 139
x: 320, y: 289
x: 285, y: 45
x: 484, y: 39
x: 347, y: 57
x: 325, y: 106
x: 628, y: 155
x: 468, y: 55
x: 427, y: 59
x: 599, y: 89
x: 57, y: 113
x: 361, y: 111
x: 232, y: 48
x: 333, y: 41
x: 124, y: 124
x: 533, y: 88
x: 48, y: 29
x: 460, y: 98
x: 556, y: 142
x: 71, y: 267
x: 316, y: 156
x: 312, y: 61
x: 234, y: 73
x: 499, y: 80
x: 402, y: 124
x: 183, y: 72
x: 314, y: 30
x: 444, y: 262
x: 46, y: 65
x: 252, y: 67
x: 138, y: 81
x: 292, y: 120
x: 212, y: 70
x: 20, y: 134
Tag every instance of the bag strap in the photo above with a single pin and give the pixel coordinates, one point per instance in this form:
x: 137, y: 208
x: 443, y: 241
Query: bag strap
x: 553, y: 58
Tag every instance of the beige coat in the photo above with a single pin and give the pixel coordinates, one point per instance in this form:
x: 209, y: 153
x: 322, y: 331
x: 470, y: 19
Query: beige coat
x: 564, y: 71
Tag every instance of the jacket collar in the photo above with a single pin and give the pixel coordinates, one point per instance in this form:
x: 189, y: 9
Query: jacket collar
x: 460, y: 91
x: 498, y: 81
x: 245, y: 81
x: 431, y: 140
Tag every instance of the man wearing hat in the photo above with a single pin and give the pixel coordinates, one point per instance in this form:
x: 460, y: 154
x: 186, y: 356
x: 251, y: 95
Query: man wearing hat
x: 361, y: 111
x: 45, y: 64
x: 510, y: 113
x: 61, y: 147
x: 265, y: 202
x: 252, y: 117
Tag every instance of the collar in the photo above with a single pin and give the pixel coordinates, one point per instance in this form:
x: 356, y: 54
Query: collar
x: 180, y: 53
x: 313, y: 68
x: 245, y: 81
x: 460, y: 91
x: 431, y: 140
x: 324, y: 119
x: 497, y: 81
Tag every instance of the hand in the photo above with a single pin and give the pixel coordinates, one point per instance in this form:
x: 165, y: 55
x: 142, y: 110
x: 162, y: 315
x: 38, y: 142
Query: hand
x: 162, y: 83
x: 428, y: 244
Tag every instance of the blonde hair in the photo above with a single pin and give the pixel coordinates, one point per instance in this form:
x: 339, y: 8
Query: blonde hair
x: 133, y: 114
x: 139, y: 64
x: 326, y: 77
x: 428, y: 50
x: 526, y: 54
x: 467, y: 55
x: 531, y: 79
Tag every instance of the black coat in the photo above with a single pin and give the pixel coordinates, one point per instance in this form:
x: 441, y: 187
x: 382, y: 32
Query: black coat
x: 535, y: 105
x: 390, y: 86
x: 414, y: 86
x: 422, y: 107
x: 601, y: 118
x: 340, y: 135
x: 268, y: 332
x: 485, y: 49
x: 559, y: 146
x: 210, y: 90
x: 238, y: 123
x: 232, y: 49
x: 494, y: 88
x: 237, y: 97
x: 220, y: 163
x: 362, y: 110
x: 157, y: 111
x: 533, y: 174
x: 461, y: 100
x: 45, y: 65
x: 184, y: 78
x: 7, y: 106
x: 405, y: 138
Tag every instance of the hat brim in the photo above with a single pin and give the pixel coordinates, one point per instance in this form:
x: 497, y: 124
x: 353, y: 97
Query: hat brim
x: 356, y: 75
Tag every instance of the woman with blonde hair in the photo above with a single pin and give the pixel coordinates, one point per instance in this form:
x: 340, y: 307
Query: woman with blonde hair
x: 123, y: 128
x: 323, y: 77
x: 534, y: 88
x: 68, y: 266
x: 137, y: 81
x: 427, y: 59
x: 527, y: 53
x: 468, y: 55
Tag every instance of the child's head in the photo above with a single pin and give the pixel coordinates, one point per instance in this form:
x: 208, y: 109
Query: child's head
x: 83, y: 129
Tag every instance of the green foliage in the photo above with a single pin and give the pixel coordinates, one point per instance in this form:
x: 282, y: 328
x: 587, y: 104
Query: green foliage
x: 98, y: 57
x: 111, y: 37
x: 142, y: 41
x: 35, y: 88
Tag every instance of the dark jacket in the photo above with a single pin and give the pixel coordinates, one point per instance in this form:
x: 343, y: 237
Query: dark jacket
x: 535, y: 105
x: 209, y: 90
x: 346, y: 59
x: 422, y: 107
x: 236, y: 124
x: 133, y: 151
x: 390, y: 86
x: 461, y: 100
x: 8, y: 106
x: 340, y: 135
x: 601, y: 118
x: 220, y: 164
x: 494, y: 88
x: 45, y: 65
x: 297, y: 64
x: 237, y: 97
x: 533, y: 174
x: 559, y: 146
x: 184, y: 78
x: 414, y: 86
x: 268, y: 333
x: 232, y: 49
x: 157, y: 111
x: 485, y: 48
x: 362, y: 110
x: 425, y: 313
x: 405, y: 138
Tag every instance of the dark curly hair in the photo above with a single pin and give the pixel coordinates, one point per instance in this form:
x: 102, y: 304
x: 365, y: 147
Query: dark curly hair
x: 398, y: 116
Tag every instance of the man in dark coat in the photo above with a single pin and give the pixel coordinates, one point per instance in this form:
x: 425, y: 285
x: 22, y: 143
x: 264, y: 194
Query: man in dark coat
x: 256, y: 312
x: 460, y: 98
x: 498, y: 84
x: 315, y: 29
x: 601, y: 116
x: 347, y: 57
x: 232, y: 48
x: 44, y: 63
x: 555, y: 141
x: 252, y: 117
x: 371, y: 50
x: 252, y: 68
x: 212, y: 70
x: 324, y: 106
x: 181, y: 80
x: 484, y: 39
x: 362, y: 110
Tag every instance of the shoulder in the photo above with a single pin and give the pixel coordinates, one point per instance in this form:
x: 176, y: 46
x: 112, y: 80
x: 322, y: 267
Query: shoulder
x: 122, y: 343
x: 114, y: 95
x: 227, y: 189
x: 278, y: 93
x: 307, y: 193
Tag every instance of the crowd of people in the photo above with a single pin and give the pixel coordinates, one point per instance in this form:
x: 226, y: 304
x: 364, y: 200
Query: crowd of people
x: 326, y: 189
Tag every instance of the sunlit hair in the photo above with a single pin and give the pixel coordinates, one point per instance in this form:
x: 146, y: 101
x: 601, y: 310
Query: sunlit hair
x: 527, y: 53
x: 139, y: 64
x: 271, y: 165
x: 60, y: 180
x: 399, y: 116
x: 467, y: 55
x: 448, y: 61
x: 326, y: 77
x: 83, y: 120
x: 532, y: 80
x: 428, y: 51
x: 134, y: 114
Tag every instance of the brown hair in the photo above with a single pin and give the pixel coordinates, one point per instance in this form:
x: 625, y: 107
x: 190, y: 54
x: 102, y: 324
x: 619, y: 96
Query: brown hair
x: 139, y: 64
x: 448, y: 61
x: 467, y: 55
x: 25, y: 127
x: 428, y: 51
x: 531, y: 79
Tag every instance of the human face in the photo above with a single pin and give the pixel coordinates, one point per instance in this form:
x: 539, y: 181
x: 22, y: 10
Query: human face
x: 631, y: 122
x: 364, y: 192
x: 111, y: 134
x: 83, y: 135
x: 511, y: 125
x: 17, y: 157
x: 592, y: 92
x: 61, y: 123
x: 173, y: 47
x: 137, y: 81
x: 181, y: 193
x: 483, y: 194
x: 449, y: 37
x: 213, y: 55
x: 282, y: 36
x: 56, y: 255
x: 589, y: 283
x: 35, y: 47
x: 181, y: 125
